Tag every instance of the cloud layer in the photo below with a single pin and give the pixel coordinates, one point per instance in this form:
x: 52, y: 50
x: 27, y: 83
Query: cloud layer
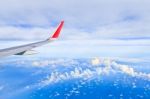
x: 105, y: 67
x: 92, y: 19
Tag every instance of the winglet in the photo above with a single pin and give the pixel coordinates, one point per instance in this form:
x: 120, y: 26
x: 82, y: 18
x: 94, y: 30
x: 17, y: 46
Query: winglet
x: 57, y: 32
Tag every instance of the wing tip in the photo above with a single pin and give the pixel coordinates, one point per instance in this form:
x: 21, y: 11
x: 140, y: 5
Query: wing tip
x: 58, y: 30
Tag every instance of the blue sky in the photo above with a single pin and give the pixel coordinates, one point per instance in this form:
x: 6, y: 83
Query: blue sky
x: 115, y: 22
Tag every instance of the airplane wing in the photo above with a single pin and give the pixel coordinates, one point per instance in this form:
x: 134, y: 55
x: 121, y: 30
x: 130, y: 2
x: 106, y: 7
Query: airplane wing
x: 24, y: 49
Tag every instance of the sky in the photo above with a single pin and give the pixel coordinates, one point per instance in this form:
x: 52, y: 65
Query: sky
x: 89, y: 24
x: 93, y: 28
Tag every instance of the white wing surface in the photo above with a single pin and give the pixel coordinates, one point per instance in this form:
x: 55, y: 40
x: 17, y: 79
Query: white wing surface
x: 23, y: 49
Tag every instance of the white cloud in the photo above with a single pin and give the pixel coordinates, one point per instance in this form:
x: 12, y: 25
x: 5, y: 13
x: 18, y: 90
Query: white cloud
x: 130, y: 71
x: 81, y: 70
x: 90, y: 72
x: 90, y: 48
x: 92, y: 19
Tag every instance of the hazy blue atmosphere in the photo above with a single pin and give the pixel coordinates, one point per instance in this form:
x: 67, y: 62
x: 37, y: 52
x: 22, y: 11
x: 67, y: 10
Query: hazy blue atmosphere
x: 103, y: 51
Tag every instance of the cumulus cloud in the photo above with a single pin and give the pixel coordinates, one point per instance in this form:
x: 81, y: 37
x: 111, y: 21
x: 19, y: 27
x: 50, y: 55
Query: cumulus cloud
x: 54, y: 62
x: 76, y: 69
x: 106, y: 67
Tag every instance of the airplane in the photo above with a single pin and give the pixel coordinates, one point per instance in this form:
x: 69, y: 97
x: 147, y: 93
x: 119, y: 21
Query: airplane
x: 27, y: 49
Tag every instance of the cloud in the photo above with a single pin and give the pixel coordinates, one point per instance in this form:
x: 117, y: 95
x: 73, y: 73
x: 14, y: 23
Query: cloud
x: 130, y: 71
x: 89, y: 48
x: 106, y: 67
x: 62, y: 70
x: 23, y: 33
x: 77, y: 11
x: 92, y: 19
x: 91, y: 27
